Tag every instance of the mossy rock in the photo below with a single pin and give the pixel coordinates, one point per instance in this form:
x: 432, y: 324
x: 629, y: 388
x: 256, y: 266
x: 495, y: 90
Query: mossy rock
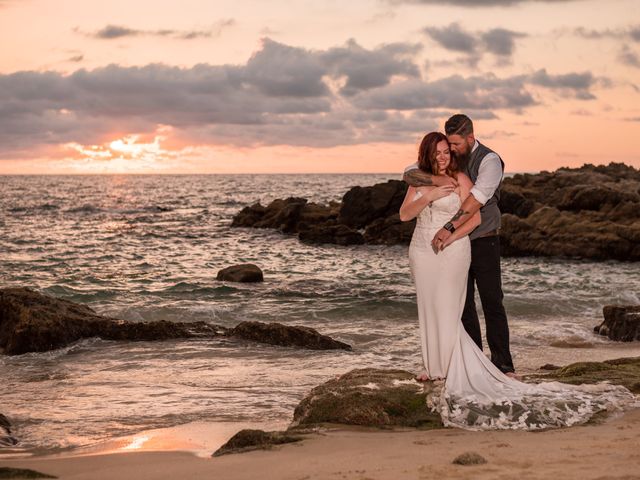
x: 248, y: 439
x: 620, y: 371
x: 369, y: 397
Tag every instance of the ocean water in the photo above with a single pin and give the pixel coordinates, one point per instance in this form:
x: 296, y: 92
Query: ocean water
x: 145, y: 248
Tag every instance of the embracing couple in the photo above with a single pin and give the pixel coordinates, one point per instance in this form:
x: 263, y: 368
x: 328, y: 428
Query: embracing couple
x: 453, y: 192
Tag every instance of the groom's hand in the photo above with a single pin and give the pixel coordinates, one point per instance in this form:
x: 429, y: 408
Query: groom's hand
x: 438, y: 242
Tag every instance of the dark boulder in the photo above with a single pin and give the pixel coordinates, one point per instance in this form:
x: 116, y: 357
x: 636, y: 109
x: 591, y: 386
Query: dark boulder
x: 282, y: 215
x: 389, y: 231
x: 247, y: 440
x: 32, y: 322
x: 330, y: 233
x: 515, y: 203
x: 362, y: 205
x: 286, y: 335
x: 591, y: 197
x: 249, y: 216
x: 369, y: 397
x: 245, y: 273
x: 621, y: 323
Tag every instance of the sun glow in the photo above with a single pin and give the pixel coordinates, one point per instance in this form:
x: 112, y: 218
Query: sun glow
x: 127, y: 154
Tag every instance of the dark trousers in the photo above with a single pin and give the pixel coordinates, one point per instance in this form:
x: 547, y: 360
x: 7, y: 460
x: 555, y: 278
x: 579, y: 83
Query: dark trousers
x: 485, y: 273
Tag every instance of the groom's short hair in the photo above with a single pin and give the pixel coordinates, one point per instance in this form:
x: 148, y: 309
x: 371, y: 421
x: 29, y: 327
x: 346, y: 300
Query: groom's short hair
x: 459, y: 124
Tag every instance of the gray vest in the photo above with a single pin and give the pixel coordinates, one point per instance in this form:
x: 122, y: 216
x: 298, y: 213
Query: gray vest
x: 489, y: 212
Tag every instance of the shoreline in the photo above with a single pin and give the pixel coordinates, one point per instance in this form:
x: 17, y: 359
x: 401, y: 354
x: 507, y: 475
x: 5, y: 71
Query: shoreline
x: 605, y: 450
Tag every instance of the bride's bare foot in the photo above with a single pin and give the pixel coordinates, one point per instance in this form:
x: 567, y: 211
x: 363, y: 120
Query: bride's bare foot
x: 422, y: 376
x: 514, y: 376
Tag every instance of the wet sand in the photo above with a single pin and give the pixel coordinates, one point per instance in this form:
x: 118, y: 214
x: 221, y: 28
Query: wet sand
x: 610, y: 450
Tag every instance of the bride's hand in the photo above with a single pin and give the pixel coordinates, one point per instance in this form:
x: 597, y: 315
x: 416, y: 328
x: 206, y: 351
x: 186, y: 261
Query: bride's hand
x: 448, y: 242
x: 434, y: 194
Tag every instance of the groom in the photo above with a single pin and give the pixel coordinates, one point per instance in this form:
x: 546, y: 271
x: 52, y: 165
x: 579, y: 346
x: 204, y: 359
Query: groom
x: 485, y: 169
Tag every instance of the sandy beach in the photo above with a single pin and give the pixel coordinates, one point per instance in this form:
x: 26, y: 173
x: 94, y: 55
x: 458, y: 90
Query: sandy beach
x: 606, y: 451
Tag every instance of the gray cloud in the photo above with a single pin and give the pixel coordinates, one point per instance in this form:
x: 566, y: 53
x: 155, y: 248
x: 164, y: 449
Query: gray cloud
x: 486, y: 92
x: 629, y: 57
x: 626, y: 55
x: 453, y: 38
x: 498, y: 41
x: 629, y: 33
x: 577, y: 83
x: 282, y: 95
x: 366, y: 69
x: 111, y: 32
x: 455, y: 92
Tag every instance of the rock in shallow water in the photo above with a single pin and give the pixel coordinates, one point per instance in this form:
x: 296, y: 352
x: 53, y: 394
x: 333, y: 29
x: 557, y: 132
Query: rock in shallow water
x: 246, y: 273
x: 621, y: 323
x: 588, y: 212
x: 286, y: 335
x: 32, y: 322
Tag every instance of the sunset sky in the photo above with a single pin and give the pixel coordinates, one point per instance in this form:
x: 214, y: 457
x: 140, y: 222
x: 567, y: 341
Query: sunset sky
x: 287, y: 86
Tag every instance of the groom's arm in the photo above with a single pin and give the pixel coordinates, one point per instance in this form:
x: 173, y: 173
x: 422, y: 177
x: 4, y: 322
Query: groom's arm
x: 419, y: 178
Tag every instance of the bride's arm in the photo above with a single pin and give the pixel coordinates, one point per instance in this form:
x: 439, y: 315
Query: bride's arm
x: 472, y: 222
x: 411, y: 208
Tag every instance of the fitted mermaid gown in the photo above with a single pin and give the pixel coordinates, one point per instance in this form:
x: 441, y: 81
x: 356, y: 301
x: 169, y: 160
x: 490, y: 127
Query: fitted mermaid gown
x: 476, y: 394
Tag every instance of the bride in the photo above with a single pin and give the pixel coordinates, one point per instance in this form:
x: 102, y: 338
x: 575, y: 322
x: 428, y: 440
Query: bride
x: 475, y: 394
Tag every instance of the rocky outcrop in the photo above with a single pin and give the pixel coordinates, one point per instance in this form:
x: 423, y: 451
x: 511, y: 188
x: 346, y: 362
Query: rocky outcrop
x: 369, y: 397
x: 286, y: 335
x: 246, y: 273
x: 365, y: 215
x: 363, y: 205
x: 621, y: 323
x: 247, y: 440
x: 32, y: 322
x: 588, y: 212
x: 6, y: 440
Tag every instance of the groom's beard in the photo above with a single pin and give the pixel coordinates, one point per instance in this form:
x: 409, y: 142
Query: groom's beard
x: 462, y: 159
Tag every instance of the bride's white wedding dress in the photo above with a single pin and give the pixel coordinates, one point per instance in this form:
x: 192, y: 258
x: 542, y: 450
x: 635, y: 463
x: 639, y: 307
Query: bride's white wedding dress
x: 476, y: 394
